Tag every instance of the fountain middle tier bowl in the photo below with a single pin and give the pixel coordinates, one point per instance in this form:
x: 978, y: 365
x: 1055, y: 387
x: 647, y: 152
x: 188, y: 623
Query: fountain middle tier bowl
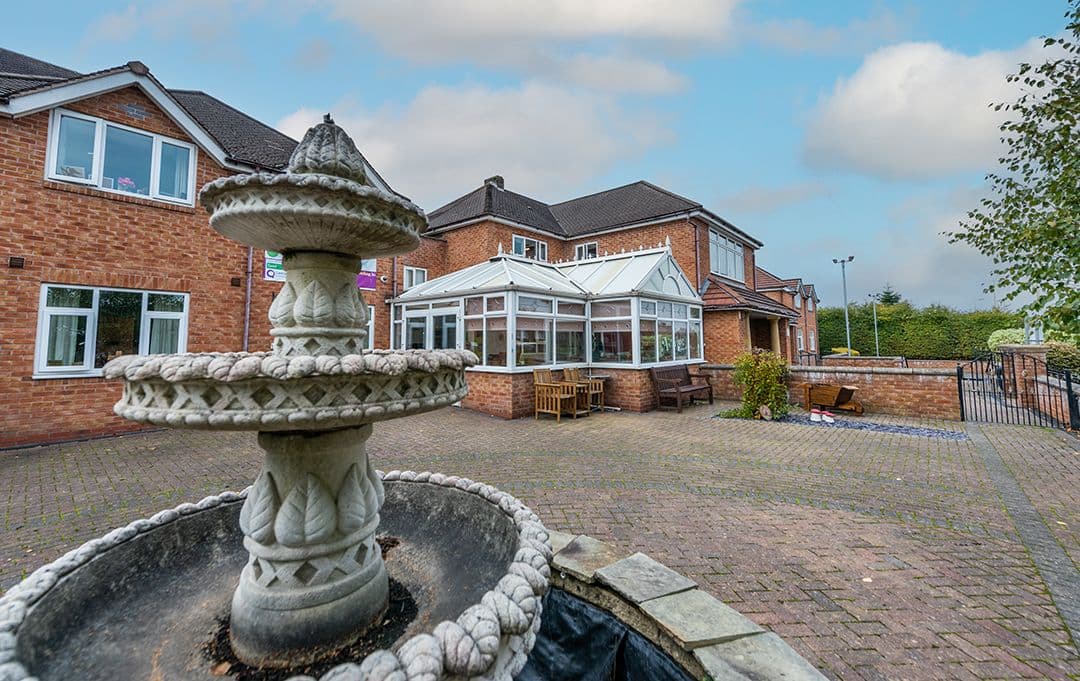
x: 267, y: 392
x: 144, y: 601
x: 312, y: 212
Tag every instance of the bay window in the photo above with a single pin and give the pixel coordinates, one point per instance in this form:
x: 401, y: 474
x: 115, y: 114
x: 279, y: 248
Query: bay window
x: 81, y: 328
x: 118, y: 158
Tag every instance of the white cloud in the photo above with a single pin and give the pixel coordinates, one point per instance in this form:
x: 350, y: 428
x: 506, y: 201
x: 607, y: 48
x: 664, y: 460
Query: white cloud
x: 856, y: 37
x: 545, y: 140
x: 437, y: 30
x: 117, y: 26
x: 767, y: 199
x: 916, y: 110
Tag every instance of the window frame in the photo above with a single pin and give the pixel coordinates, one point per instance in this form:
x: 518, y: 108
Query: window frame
x: 541, y: 247
x: 813, y: 341
x: 409, y: 270
x: 800, y: 342
x: 87, y: 368
x: 583, y: 248
x: 98, y: 162
x: 728, y: 247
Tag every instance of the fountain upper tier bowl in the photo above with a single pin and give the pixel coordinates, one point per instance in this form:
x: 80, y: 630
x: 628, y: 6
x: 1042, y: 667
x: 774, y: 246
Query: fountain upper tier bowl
x: 312, y: 212
x: 266, y: 392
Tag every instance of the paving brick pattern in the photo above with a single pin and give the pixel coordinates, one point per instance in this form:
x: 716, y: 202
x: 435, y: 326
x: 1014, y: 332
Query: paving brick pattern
x: 876, y: 555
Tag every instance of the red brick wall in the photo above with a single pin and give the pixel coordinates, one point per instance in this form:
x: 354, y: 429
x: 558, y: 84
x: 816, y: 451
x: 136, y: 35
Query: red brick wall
x: 929, y: 393
x: 725, y: 336
x: 478, y: 242
x: 511, y: 396
x: 77, y: 235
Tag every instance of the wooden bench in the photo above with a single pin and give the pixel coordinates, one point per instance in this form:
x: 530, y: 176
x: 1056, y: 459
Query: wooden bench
x: 831, y: 397
x: 676, y: 384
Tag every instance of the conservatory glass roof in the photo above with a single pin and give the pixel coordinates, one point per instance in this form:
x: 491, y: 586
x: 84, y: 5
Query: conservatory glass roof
x: 652, y: 272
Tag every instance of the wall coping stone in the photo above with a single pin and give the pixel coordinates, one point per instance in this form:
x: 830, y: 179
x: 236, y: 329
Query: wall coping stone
x: 797, y: 369
x: 708, y: 639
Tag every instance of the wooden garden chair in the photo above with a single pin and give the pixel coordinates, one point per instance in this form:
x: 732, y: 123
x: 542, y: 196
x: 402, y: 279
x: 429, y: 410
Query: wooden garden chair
x: 553, y: 397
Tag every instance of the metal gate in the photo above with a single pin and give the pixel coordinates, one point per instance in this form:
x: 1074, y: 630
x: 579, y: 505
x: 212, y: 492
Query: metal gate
x: 1016, y: 388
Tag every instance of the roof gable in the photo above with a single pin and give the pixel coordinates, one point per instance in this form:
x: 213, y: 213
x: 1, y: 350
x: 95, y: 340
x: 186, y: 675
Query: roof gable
x: 723, y: 294
x: 234, y: 139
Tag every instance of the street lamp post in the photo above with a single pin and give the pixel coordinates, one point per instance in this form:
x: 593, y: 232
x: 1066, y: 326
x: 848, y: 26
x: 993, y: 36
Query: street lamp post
x: 843, y: 274
x: 877, y: 344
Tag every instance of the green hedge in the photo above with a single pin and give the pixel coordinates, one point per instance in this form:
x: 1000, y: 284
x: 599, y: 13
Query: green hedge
x: 934, y: 332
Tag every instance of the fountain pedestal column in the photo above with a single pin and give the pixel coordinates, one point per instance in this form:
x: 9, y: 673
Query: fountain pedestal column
x: 315, y: 578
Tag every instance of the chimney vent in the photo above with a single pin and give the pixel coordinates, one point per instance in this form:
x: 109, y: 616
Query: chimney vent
x: 496, y: 180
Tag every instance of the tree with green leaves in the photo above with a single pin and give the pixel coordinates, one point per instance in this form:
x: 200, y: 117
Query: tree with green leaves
x: 1030, y: 226
x: 889, y: 296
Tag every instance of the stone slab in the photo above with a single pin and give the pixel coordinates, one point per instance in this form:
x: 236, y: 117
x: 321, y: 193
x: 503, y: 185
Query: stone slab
x: 559, y: 540
x: 584, y: 556
x: 639, y: 578
x: 696, y: 619
x: 762, y: 656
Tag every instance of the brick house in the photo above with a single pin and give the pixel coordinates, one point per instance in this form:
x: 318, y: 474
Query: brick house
x: 494, y: 225
x: 106, y: 252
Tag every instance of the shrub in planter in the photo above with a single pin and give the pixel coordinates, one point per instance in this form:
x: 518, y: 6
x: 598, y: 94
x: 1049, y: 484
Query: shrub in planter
x: 1063, y: 356
x: 761, y: 375
x: 1005, y: 337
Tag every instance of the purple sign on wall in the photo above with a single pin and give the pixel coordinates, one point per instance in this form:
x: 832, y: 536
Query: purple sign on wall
x: 367, y: 279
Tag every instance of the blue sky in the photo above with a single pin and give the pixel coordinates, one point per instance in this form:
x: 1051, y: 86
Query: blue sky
x: 825, y: 129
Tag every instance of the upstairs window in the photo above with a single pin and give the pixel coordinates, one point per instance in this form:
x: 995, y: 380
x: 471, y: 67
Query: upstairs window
x: 585, y: 251
x: 118, y: 158
x: 813, y: 342
x: 414, y: 276
x: 530, y: 248
x: 799, y: 338
x: 725, y: 257
x: 798, y: 301
x: 810, y: 304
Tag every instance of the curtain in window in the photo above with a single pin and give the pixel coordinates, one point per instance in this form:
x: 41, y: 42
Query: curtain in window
x: 164, y: 336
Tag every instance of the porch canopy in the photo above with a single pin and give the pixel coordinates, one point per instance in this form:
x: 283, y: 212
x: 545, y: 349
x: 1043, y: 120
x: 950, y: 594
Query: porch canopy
x: 625, y: 310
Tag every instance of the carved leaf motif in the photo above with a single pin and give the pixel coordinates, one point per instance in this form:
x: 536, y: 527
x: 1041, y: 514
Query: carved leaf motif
x: 314, y: 307
x: 351, y: 509
x: 373, y: 477
x: 281, y: 308
x: 345, y: 308
x: 306, y: 515
x: 257, y: 514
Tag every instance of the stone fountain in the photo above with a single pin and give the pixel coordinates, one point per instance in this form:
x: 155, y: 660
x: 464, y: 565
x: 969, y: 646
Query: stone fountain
x: 313, y: 579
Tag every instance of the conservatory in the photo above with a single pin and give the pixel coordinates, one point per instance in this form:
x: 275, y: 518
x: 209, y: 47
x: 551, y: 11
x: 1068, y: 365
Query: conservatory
x: 626, y: 311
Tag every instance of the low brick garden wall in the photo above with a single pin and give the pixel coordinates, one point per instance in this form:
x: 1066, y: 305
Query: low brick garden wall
x: 511, y: 395
x: 923, y: 392
x: 894, y: 362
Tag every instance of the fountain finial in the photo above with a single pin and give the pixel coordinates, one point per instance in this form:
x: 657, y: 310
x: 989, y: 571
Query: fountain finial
x: 328, y: 150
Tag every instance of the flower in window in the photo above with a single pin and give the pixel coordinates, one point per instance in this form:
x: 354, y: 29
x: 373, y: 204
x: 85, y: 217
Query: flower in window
x: 125, y: 183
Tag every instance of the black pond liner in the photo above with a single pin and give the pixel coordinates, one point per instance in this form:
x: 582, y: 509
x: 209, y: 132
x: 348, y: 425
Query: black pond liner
x: 581, y: 642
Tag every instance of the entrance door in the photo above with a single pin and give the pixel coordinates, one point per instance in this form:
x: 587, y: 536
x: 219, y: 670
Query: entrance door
x: 444, y: 331
x: 416, y: 333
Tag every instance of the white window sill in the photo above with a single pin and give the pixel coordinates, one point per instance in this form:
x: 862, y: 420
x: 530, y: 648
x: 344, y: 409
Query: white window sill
x: 96, y: 373
x: 118, y: 192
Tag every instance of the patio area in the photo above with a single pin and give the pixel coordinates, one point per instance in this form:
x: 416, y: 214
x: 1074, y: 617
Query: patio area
x: 875, y: 554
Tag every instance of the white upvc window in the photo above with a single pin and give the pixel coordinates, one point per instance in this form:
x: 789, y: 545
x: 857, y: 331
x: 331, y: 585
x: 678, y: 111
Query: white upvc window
x: 80, y: 328
x: 370, y: 327
x: 798, y: 301
x: 810, y: 303
x: 725, y: 256
x: 813, y: 342
x: 585, y: 251
x: 118, y: 158
x: 799, y: 339
x: 530, y: 248
x: 414, y: 276
x: 668, y: 332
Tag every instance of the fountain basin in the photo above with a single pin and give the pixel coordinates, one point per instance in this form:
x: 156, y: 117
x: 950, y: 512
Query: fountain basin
x: 143, y: 601
x: 266, y: 392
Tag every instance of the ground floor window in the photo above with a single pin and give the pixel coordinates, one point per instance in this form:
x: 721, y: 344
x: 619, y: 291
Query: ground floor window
x: 81, y: 328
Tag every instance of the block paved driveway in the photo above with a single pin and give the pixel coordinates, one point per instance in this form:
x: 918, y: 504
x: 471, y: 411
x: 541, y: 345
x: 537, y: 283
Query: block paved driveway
x: 876, y: 555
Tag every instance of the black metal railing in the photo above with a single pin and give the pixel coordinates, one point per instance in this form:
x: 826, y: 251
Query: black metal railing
x: 1017, y: 388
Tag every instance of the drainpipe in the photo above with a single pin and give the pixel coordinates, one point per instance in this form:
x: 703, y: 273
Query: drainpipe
x: 247, y: 298
x: 393, y: 276
x: 697, y: 257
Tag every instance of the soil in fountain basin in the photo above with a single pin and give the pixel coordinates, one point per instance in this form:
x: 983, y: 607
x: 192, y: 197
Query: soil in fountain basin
x: 400, y: 612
